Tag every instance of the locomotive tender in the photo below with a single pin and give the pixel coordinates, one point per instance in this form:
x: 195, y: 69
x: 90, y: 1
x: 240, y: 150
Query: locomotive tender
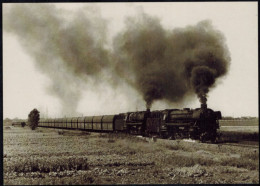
x: 199, y: 124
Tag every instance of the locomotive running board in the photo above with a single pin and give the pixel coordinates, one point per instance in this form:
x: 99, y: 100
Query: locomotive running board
x: 178, y: 124
x: 134, y: 123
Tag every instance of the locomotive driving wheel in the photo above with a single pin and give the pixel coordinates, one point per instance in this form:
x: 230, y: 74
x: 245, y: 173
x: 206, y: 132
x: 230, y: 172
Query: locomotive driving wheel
x: 215, y: 138
x: 203, y: 137
x: 164, y: 135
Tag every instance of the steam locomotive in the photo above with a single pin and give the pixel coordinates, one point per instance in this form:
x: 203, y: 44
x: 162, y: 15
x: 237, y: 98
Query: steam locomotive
x: 198, y: 124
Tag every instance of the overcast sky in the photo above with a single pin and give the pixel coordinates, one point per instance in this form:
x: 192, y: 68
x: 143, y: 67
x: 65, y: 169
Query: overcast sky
x: 24, y: 87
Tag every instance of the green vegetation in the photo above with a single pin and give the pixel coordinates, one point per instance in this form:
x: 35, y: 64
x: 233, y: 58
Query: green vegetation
x: 33, y: 119
x: 234, y: 136
x: 7, y: 121
x: 45, y: 164
x: 239, y: 122
x: 239, y: 118
x: 46, y: 157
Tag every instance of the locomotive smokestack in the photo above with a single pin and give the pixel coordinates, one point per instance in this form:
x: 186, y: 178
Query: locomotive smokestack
x: 203, y: 101
x: 148, y: 113
x: 203, y: 106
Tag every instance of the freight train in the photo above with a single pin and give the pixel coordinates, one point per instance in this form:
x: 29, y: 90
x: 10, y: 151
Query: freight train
x: 198, y: 124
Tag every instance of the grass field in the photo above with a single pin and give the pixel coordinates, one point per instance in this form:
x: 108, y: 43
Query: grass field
x: 240, y: 128
x: 248, y: 122
x: 237, y: 130
x: 51, y: 156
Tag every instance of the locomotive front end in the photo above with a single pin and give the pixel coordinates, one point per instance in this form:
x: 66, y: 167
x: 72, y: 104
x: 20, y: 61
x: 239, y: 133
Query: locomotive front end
x: 207, y: 123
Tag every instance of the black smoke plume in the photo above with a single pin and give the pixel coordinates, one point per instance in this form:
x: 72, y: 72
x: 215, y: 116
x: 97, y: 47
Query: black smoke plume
x: 71, y: 48
x: 170, y: 64
x: 66, y: 46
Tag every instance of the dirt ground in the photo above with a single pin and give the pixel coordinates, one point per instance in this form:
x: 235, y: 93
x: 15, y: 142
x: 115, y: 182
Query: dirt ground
x: 51, y: 156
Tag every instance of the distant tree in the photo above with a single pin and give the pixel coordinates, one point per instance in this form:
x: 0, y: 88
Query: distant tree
x: 16, y: 118
x: 7, y: 121
x: 33, y: 119
x: 23, y: 124
x: 228, y: 118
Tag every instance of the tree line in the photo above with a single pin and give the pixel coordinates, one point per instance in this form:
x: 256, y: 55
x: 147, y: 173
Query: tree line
x: 32, y: 121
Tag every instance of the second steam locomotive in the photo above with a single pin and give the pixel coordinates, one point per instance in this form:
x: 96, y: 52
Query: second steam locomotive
x: 198, y: 124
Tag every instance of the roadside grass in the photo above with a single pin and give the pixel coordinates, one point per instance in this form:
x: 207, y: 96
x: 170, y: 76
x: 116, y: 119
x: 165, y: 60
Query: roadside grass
x: 45, y: 164
x: 239, y: 136
x: 135, y: 147
x: 189, y: 161
x: 39, y: 130
x: 178, y: 146
x: 185, y: 161
x: 240, y: 163
x: 72, y: 132
x: 60, y: 132
x: 84, y: 178
x: 253, y: 156
x: 132, y: 145
x: 120, y: 136
x: 126, y: 144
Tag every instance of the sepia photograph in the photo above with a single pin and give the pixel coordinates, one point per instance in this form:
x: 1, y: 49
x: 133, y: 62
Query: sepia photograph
x: 130, y: 93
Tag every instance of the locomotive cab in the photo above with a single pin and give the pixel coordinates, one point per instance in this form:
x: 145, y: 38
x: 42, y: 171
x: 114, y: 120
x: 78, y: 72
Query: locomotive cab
x: 155, y: 123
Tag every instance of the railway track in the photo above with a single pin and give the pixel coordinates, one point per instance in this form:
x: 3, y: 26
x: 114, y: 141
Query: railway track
x: 253, y: 145
x: 155, y: 138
